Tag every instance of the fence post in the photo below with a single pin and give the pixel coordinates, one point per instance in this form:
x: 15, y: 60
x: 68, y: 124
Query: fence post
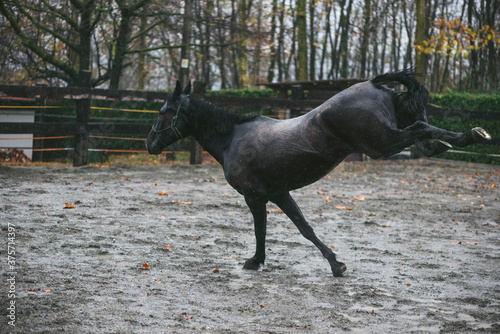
x: 82, y: 119
x: 39, y: 132
x: 196, y: 157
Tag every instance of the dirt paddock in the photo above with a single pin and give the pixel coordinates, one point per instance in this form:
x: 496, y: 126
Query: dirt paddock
x: 160, y: 249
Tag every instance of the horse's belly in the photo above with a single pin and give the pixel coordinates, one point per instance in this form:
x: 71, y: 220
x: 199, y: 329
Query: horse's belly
x: 288, y: 174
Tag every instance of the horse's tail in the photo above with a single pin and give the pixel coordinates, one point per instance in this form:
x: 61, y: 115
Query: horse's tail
x: 410, y: 104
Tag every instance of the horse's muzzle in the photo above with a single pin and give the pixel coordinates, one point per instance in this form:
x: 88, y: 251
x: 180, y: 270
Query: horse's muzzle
x: 152, y: 145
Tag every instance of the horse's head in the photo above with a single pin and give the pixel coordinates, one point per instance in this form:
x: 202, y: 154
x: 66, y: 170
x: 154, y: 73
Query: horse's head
x: 172, y: 123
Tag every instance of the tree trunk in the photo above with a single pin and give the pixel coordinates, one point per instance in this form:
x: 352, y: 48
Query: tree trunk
x: 492, y: 51
x: 242, y: 60
x: 221, y: 51
x: 186, y: 38
x: 302, y: 40
x: 272, y: 37
x: 281, y: 43
x: 312, y: 40
x: 344, y: 41
x: 366, y: 36
x: 327, y: 35
x: 420, y: 36
x: 141, y: 66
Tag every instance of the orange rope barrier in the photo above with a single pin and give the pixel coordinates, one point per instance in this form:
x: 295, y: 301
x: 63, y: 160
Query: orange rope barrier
x: 116, y: 151
x: 123, y: 138
x: 50, y: 149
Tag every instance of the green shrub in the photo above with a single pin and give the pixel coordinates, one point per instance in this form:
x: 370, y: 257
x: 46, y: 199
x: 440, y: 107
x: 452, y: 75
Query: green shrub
x: 472, y: 102
x: 467, y: 101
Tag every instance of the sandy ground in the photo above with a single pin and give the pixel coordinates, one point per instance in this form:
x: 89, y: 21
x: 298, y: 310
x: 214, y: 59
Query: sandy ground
x: 421, y: 241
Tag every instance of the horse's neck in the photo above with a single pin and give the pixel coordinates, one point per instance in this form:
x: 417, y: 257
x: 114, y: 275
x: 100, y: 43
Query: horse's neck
x: 216, y: 146
x: 207, y: 135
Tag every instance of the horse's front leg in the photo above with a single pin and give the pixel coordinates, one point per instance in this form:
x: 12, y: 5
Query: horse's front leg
x: 258, y: 208
x: 290, y: 208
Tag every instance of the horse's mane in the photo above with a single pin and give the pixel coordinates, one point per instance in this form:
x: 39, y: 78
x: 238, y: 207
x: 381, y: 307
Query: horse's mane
x: 214, y: 120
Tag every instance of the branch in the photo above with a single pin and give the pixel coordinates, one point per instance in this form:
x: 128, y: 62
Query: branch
x: 163, y: 47
x: 62, y: 15
x: 31, y: 45
x: 45, y: 28
x: 145, y: 31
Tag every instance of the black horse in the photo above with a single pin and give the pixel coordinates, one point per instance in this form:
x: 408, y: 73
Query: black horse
x: 264, y: 159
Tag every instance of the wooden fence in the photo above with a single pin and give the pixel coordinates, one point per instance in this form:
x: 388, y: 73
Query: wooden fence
x: 82, y: 128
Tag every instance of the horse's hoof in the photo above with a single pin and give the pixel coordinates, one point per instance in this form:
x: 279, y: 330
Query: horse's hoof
x: 251, y: 264
x: 339, y: 269
x: 441, y: 146
x: 480, y: 135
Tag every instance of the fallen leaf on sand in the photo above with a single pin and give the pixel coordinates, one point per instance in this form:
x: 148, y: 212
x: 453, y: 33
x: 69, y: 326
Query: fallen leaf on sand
x: 145, y: 266
x: 262, y: 305
x: 69, y: 206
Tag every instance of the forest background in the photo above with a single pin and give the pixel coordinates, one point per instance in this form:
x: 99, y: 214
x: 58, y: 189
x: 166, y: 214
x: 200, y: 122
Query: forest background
x: 148, y: 44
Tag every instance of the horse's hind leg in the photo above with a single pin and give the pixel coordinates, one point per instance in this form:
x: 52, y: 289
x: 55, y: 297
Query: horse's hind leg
x: 258, y: 209
x: 427, y: 131
x: 290, y: 208
x: 390, y: 141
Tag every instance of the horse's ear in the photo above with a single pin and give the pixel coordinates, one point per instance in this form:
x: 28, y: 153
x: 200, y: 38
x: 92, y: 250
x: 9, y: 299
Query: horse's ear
x: 177, y: 91
x: 187, y: 89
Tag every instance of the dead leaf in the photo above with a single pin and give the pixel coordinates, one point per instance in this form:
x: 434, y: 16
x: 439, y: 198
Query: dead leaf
x: 262, y: 305
x: 215, y: 271
x: 69, y: 206
x: 162, y: 193
x: 327, y: 199
x: 493, y: 186
x: 332, y: 246
x: 372, y: 312
x: 126, y: 178
x: 145, y: 266
x: 408, y: 284
x: 341, y: 207
x: 359, y: 198
x: 196, y: 237
x: 167, y: 247
x: 187, y: 316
